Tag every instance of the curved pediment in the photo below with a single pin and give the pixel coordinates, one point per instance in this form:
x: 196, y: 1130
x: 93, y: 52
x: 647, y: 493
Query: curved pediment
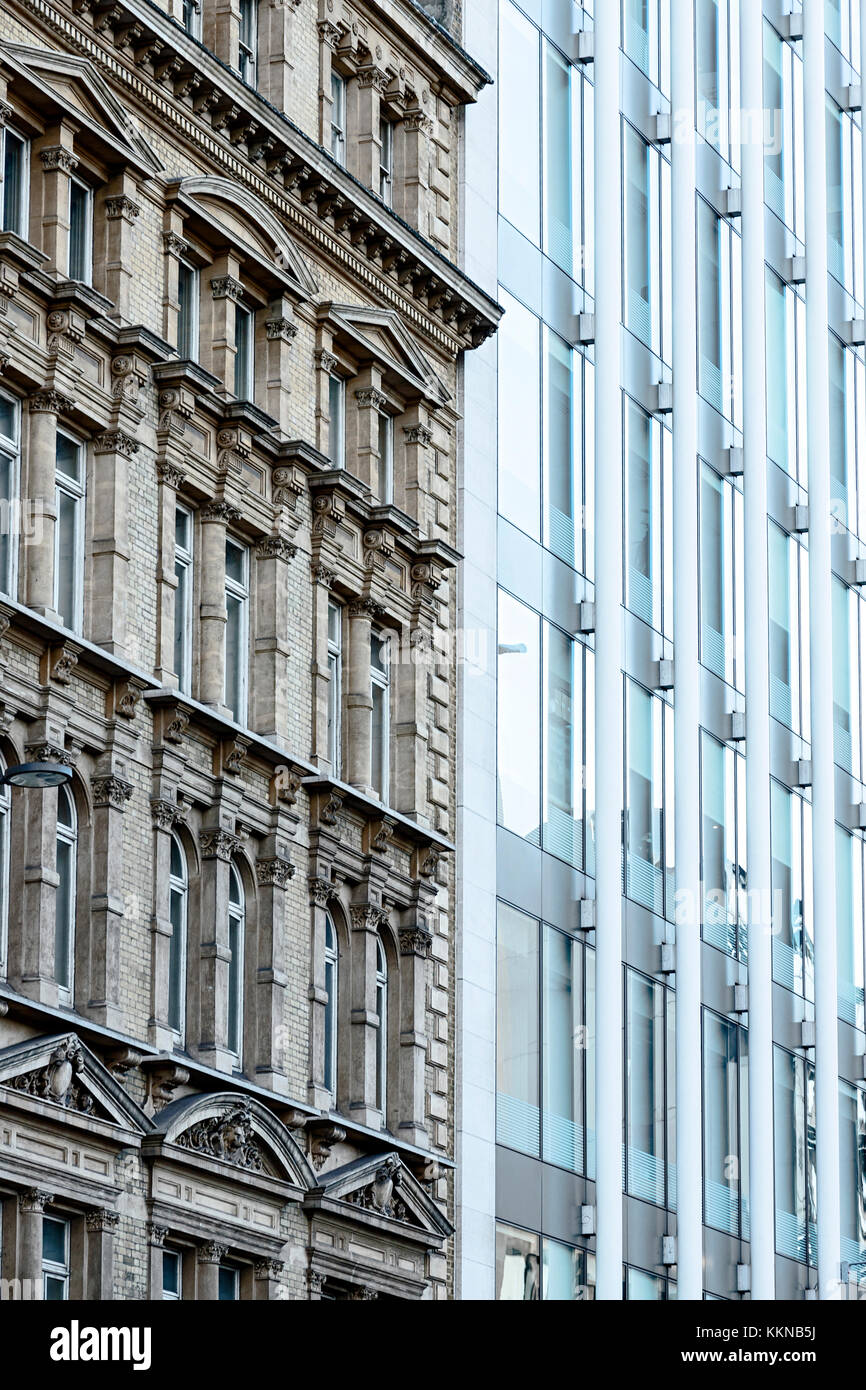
x: 248, y: 223
x: 235, y: 1130
x: 62, y: 1071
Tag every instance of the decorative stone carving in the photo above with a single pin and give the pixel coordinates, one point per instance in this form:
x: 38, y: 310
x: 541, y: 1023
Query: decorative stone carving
x: 35, y: 1200
x: 323, y: 1136
x: 156, y: 1235
x: 382, y: 1194
x: 174, y: 245
x: 210, y: 1253
x: 428, y: 861
x: 322, y: 891
x: 56, y: 1082
x: 234, y: 752
x: 218, y: 844
x: 111, y: 791
x: 164, y: 1081
x: 228, y: 1137
x: 58, y: 157
x: 315, y: 1281
x: 366, y: 916
x: 274, y: 872
x: 169, y: 474
x: 45, y: 752
x: 128, y: 375
x: 127, y: 702
x: 322, y: 575
x: 288, y: 487
x: 65, y: 330
x: 415, y: 941
x: 363, y: 1294
x: 369, y: 399
x: 381, y: 833
x: 101, y: 1221
x: 281, y: 330
x: 175, y: 408
x: 268, y: 1269
x: 276, y: 548
x: 176, y: 727
x: 287, y: 784
x: 166, y: 814
x: 326, y: 361
x: 50, y: 402
x: 330, y: 811
x: 115, y: 442
x: 121, y: 207
x: 223, y: 512
x: 418, y: 434
x: 227, y: 287
x: 63, y: 662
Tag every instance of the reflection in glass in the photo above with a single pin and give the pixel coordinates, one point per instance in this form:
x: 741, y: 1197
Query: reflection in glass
x: 519, y: 731
x: 564, y: 1052
x: 517, y: 1030
x: 645, y: 1089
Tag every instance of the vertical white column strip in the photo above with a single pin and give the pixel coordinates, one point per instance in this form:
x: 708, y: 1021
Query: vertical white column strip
x: 608, y: 665
x: 821, y: 648
x: 686, y: 658
x: 758, y: 853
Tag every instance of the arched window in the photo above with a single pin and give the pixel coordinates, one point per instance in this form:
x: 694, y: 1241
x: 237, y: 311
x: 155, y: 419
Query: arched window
x: 5, y: 803
x: 331, y: 986
x: 237, y: 915
x: 64, y: 913
x: 382, y: 1035
x: 178, y: 897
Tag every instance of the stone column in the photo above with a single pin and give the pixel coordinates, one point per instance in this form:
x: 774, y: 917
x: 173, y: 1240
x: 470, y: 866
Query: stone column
x: 165, y: 817
x: 410, y: 481
x: 170, y: 479
x: 212, y: 629
x: 323, y: 579
x: 31, y: 1206
x: 100, y: 1227
x: 359, y: 699
x: 109, y: 507
x: 366, y: 919
x: 217, y: 848
x: 271, y: 648
x: 415, y: 943
x: 155, y: 1246
x: 410, y: 732
x: 275, y: 388
x: 362, y: 101
x: 266, y: 1284
x: 219, y: 344
x: 276, y: 52
x: 45, y: 406
x: 114, y: 274
x: 37, y: 974
x: 411, y: 168
x: 328, y: 36
x: 110, y: 795
x: 362, y: 429
x: 321, y: 893
x: 50, y: 194
x: 274, y: 870
x: 209, y: 1257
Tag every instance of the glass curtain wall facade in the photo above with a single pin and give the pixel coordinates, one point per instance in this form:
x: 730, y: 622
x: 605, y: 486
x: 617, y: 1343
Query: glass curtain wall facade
x: 542, y: 1236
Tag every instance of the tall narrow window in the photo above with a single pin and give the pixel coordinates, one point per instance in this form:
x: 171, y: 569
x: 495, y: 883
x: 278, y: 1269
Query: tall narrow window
x: 563, y: 752
x: 382, y: 1032
x: 519, y: 415
x: 836, y: 190
x: 519, y: 719
x: 187, y: 316
x: 10, y: 493
x: 723, y: 847
x: 639, y: 221
x: 648, y: 485
x: 55, y: 1259
x: 789, y: 631
x: 69, y: 532
x: 332, y: 959
x: 786, y: 357
x: 244, y: 346
x: 794, y: 1139
x: 843, y: 434
x: 852, y: 1156
x: 645, y: 862
x: 846, y: 678
x: 237, y: 923
x: 645, y: 38
x: 335, y: 688
x: 171, y: 1274
x: 248, y: 40
x: 725, y: 1120
x: 13, y: 190
x: 849, y: 932
x: 237, y: 629
x: 229, y: 1284
x: 517, y: 1031
x: 5, y: 808
x: 64, y: 910
x: 380, y: 689
x: 337, y: 420
x: 178, y: 894
x: 564, y: 1036
x: 722, y: 597
x: 791, y: 841
x: 192, y: 17
x: 386, y: 161
x: 783, y: 134
x: 80, y: 231
x: 183, y: 573
x: 386, y: 458
x: 645, y: 1088
x: 338, y: 118
x: 517, y: 1264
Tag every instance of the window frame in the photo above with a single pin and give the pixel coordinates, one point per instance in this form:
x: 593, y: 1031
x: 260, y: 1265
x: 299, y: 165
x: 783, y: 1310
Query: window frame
x: 244, y: 382
x: 23, y: 227
x: 68, y: 835
x: 77, y: 491
x: 51, y: 1269
x: 184, y: 560
x: 167, y: 1294
x: 332, y: 1006
x: 338, y: 140
x: 5, y: 861
x: 236, y: 913
x: 385, y: 443
x: 380, y: 679
x: 337, y: 419
x: 87, y: 246
x: 178, y: 890
x: 10, y: 445
x: 335, y: 689
x: 248, y: 41
x: 386, y: 160
x: 189, y: 332
x: 382, y: 1030
x: 239, y: 590
x: 191, y: 18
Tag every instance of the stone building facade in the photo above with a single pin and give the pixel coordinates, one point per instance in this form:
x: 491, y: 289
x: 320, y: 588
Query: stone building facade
x: 231, y: 329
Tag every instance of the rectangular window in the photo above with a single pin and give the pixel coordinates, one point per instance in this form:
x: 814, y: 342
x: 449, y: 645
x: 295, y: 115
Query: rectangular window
x: 248, y: 40
x: 849, y: 933
x: 844, y: 199
x: 69, y: 532
x: 192, y: 17
x: 386, y: 161
x: 385, y: 480
x: 338, y: 118
x: 335, y: 687
x: 648, y: 524
x: 187, y: 316
x: 783, y: 133
x: 789, y: 631
x: 786, y: 377
x: 723, y: 848
x: 55, y: 1259
x: 519, y: 721
x: 646, y: 1097
x: 719, y: 314
x: 10, y: 492
x: 796, y: 1175
x: 14, y: 188
x: 563, y: 824
x: 171, y: 1274
x: 519, y: 145
x: 380, y: 690
x: 648, y: 857
x: 183, y: 573
x: 567, y: 1272
x: 563, y: 1052
x: 642, y: 1287
x: 517, y: 1031
x: 229, y: 1284
x: 646, y: 38
x: 237, y: 630
x: 646, y: 208
x: 80, y: 231
x: 852, y: 1162
x: 847, y: 677
x: 245, y: 323
x: 718, y: 74
x: 791, y: 842
x: 726, y: 1113
x: 846, y: 422
x: 337, y: 421
x: 722, y: 579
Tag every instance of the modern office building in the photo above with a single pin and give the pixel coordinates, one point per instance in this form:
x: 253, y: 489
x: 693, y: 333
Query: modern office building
x: 231, y: 318
x: 662, y: 794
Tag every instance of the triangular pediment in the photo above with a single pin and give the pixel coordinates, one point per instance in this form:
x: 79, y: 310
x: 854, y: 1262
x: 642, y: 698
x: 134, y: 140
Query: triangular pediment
x: 382, y: 1186
x: 236, y: 1130
x: 63, y: 1072
x: 77, y: 87
x: 382, y: 335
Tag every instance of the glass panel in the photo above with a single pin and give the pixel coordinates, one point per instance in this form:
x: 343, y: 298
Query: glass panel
x: 849, y: 869
x: 561, y: 507
x: 645, y: 1288
x: 181, y: 624
x: 563, y: 1053
x: 235, y: 990
x: 644, y: 863
x: 781, y: 627
x: 187, y: 318
x: 517, y: 1032
x: 79, y: 231
x: 13, y: 190
x: 638, y: 311
x: 519, y: 123
x: 790, y: 1154
x: 386, y: 459
x: 516, y: 1264
x: 54, y: 1235
x: 8, y: 524
x: 228, y: 1284
x: 176, y: 958
x: 563, y: 728
x: 645, y: 1087
x: 519, y: 381
x: 563, y: 1273
x: 643, y: 580
x: 336, y: 426
x: 170, y: 1274
x: 69, y: 458
x: 774, y: 101
x: 852, y: 1155
x: 519, y: 731
x: 235, y: 655
x: 710, y: 365
x: 839, y: 443
x: 64, y: 924
x: 843, y: 702
x: 561, y: 162
x: 721, y: 1136
x: 243, y: 353
x: 835, y: 193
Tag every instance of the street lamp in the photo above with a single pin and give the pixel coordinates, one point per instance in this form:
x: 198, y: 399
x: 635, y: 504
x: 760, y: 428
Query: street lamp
x: 36, y: 775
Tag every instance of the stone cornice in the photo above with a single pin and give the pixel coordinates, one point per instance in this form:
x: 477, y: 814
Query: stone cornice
x: 319, y: 201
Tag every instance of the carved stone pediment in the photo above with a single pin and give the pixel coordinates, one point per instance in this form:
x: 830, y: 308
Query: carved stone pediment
x: 381, y: 1190
x: 379, y: 335
x: 62, y: 1071
x: 228, y: 1136
x: 234, y: 1130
